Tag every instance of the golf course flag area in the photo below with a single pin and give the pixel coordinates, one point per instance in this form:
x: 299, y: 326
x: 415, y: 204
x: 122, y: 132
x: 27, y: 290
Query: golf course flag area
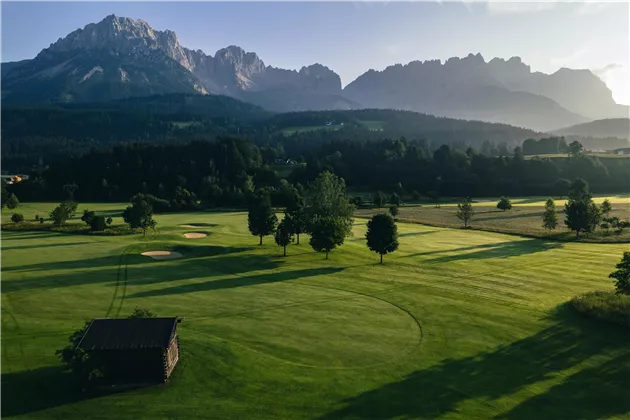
x: 456, y: 324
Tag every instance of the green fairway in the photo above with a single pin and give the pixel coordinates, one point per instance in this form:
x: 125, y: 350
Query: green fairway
x: 455, y: 325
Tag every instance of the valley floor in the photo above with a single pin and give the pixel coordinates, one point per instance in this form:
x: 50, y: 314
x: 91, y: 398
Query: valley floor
x: 457, y: 324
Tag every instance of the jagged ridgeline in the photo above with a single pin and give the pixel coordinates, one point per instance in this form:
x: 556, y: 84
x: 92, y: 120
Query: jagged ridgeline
x: 120, y: 57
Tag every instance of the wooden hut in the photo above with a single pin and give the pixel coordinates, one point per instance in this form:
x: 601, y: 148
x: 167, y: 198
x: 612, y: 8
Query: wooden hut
x: 133, y: 350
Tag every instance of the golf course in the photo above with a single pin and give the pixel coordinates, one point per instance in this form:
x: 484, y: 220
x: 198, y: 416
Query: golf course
x: 456, y: 324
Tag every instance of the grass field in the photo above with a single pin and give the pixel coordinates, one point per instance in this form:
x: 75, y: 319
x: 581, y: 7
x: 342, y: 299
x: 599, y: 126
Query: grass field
x: 523, y: 219
x: 455, y: 325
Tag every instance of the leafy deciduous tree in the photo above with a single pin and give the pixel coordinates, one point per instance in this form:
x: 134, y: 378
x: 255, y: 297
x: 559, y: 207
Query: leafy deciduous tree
x: 63, y: 212
x: 327, y: 233
x: 12, y: 202
x: 622, y: 275
x: 550, y: 217
x: 504, y: 204
x: 284, y: 235
x: 581, y: 213
x: 465, y: 212
x: 139, y: 214
x: 606, y: 207
x: 382, y: 234
x: 261, y: 219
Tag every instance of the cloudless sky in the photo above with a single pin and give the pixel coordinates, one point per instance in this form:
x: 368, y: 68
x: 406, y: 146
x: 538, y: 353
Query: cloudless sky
x: 352, y: 37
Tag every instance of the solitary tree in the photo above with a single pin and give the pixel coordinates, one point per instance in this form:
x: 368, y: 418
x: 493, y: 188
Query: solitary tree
x: 465, y: 212
x: 606, y: 208
x: 12, y: 202
x: 379, y: 199
x: 622, y: 275
x: 581, y: 214
x: 504, y: 204
x: 261, y: 218
x: 327, y: 233
x: 63, y: 212
x: 139, y: 214
x: 393, y: 210
x: 284, y: 235
x: 550, y: 217
x: 382, y: 235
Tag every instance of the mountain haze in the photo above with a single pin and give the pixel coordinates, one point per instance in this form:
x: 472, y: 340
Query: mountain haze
x: 121, y: 57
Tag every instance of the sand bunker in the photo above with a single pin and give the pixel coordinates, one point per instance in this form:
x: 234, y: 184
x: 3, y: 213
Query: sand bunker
x: 195, y: 235
x: 162, y: 255
x: 197, y: 225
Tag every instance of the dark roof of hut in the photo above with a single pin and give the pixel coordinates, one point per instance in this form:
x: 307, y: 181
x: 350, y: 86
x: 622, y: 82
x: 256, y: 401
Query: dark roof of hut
x: 129, y: 333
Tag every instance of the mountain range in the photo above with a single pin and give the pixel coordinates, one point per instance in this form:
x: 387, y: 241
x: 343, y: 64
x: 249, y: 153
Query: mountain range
x: 120, y: 58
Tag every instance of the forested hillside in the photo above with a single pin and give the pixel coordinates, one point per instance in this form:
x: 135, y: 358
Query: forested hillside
x: 224, y: 171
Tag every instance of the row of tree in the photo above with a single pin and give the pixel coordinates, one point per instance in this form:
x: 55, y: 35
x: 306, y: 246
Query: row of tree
x: 324, y: 212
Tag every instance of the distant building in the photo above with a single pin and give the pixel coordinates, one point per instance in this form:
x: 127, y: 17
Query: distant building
x: 285, y: 162
x: 14, y: 179
x: 134, y: 350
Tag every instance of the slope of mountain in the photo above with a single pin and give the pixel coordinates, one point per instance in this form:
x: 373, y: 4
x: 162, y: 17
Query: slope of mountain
x: 462, y: 88
x: 182, y: 107
x: 579, y: 91
x: 606, y: 128
x: 120, y: 57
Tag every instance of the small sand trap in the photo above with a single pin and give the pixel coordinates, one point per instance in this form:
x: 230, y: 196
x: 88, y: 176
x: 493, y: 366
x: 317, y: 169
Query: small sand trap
x: 195, y: 235
x: 197, y: 225
x: 162, y: 255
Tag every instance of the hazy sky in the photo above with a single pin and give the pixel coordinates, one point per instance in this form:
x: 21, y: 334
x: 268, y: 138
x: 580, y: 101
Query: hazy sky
x: 353, y: 37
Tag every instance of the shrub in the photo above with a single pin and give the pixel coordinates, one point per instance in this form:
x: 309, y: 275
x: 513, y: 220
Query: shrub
x: 109, y: 221
x: 621, y: 276
x: 36, y: 217
x: 97, y: 223
x: 606, y: 306
x: 87, y: 217
x: 17, y: 217
x: 41, y: 220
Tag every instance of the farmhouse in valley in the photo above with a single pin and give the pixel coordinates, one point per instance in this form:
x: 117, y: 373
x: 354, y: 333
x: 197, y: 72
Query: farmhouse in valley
x: 134, y: 350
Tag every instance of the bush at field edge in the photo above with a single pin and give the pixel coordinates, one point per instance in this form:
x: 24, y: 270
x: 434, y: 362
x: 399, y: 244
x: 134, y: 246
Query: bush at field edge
x: 606, y: 306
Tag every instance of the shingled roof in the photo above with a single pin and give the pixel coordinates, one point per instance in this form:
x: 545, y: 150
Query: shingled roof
x: 129, y: 334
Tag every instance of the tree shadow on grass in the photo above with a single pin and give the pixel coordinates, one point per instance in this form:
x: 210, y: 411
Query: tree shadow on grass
x: 131, y: 257
x: 33, y: 390
x: 233, y: 282
x: 10, y: 236
x: 501, y: 250
x: 19, y: 247
x: 403, y: 235
x: 496, y: 250
x: 29, y: 391
x: 139, y: 270
x: 571, y: 340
